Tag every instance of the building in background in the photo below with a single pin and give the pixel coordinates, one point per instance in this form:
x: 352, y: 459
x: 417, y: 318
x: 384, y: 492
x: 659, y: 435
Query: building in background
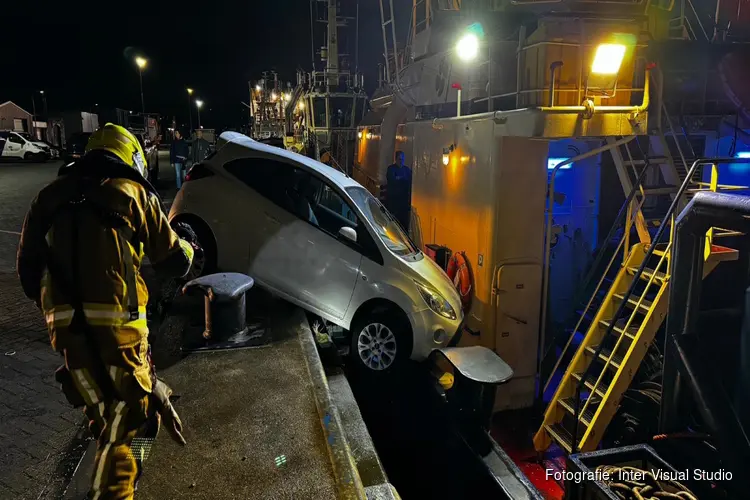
x: 14, y: 117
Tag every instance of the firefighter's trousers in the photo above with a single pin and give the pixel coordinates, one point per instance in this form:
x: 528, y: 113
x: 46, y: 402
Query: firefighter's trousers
x: 113, y: 382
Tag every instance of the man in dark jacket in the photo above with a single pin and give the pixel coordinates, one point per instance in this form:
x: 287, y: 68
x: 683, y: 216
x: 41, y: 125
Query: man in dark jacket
x: 178, y: 155
x: 397, y: 193
x: 200, y: 148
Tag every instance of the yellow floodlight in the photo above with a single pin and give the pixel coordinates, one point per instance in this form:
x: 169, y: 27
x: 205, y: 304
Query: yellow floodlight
x: 608, y: 59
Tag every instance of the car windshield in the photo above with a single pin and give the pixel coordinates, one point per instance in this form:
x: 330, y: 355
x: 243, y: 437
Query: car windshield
x: 389, y: 231
x: 26, y: 136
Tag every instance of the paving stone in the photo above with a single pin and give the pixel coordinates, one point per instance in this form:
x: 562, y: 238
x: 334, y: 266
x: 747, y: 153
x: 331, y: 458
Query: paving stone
x: 37, y: 423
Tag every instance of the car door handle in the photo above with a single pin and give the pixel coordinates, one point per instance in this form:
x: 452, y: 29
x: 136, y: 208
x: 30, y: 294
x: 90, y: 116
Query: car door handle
x: 272, y: 218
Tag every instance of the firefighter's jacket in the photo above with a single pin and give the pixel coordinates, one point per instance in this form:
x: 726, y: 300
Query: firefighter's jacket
x: 83, y: 243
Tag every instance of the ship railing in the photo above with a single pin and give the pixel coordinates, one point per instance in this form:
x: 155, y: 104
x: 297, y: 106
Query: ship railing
x: 580, y: 85
x: 336, y: 78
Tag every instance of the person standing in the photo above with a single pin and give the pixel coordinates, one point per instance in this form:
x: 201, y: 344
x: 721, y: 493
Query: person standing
x: 199, y: 149
x: 79, y: 259
x: 178, y: 155
x: 397, y: 193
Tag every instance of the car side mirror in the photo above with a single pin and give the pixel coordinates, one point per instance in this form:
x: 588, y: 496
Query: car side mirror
x: 348, y: 233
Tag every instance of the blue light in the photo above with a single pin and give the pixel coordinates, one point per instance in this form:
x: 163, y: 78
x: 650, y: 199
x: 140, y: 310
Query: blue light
x: 739, y: 168
x: 553, y: 162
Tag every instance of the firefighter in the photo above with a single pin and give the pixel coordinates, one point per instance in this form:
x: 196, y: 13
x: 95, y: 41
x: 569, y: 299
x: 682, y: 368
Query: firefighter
x: 83, y: 243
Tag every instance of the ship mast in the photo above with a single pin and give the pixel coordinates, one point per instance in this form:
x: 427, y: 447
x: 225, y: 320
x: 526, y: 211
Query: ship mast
x: 332, y: 62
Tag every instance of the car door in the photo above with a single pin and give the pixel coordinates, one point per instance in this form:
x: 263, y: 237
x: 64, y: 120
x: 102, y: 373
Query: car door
x: 289, y: 252
x: 15, y: 145
x: 325, y: 265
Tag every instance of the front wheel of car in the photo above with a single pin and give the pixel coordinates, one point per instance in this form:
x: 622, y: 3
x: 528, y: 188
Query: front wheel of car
x: 204, y: 259
x: 381, y: 341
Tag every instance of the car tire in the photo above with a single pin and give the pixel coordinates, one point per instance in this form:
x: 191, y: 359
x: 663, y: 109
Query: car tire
x: 204, y: 260
x: 381, y: 341
x: 28, y: 156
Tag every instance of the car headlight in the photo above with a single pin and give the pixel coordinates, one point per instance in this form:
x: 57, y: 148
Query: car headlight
x: 435, y: 301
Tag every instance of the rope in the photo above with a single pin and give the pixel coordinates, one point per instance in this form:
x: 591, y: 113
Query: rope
x: 649, y: 489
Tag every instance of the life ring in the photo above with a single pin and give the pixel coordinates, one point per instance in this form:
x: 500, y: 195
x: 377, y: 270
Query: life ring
x: 459, y: 272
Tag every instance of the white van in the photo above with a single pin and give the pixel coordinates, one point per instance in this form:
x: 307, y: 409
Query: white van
x: 317, y: 238
x: 22, y: 146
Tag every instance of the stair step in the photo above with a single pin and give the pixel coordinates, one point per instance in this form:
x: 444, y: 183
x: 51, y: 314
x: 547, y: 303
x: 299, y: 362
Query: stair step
x: 647, y: 273
x: 601, y: 390
x: 604, y: 355
x: 633, y: 302
x: 561, y: 435
x: 726, y: 233
x: 654, y: 190
x: 631, y: 333
x: 723, y: 254
x: 655, y: 160
x: 569, y: 405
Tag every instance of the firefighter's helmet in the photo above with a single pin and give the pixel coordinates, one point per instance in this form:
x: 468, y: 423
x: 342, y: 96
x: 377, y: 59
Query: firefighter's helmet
x: 120, y: 142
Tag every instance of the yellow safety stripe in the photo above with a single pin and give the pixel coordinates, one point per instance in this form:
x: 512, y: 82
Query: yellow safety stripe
x: 59, y: 316
x: 99, y: 315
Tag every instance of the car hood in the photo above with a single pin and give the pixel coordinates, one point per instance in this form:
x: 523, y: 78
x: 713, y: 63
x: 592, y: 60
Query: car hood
x: 40, y: 145
x: 427, y: 272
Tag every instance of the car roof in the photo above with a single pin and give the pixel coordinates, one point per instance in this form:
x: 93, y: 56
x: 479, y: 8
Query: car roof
x: 236, y: 145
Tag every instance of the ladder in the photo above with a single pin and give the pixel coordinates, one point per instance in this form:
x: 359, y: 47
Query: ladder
x: 390, y: 45
x: 635, y: 303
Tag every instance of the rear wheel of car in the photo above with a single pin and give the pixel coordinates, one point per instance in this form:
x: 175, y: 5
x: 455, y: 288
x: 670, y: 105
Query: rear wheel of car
x: 381, y: 341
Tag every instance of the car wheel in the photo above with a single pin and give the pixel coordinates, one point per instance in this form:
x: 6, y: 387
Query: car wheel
x: 380, y: 342
x: 204, y: 259
x: 28, y: 156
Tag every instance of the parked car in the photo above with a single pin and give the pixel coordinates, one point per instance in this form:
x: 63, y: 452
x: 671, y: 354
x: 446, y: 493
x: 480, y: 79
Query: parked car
x: 151, y: 150
x: 52, y: 151
x: 76, y: 146
x: 315, y: 237
x: 15, y: 145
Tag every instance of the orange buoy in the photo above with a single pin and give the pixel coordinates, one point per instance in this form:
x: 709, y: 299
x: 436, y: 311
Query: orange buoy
x: 460, y: 273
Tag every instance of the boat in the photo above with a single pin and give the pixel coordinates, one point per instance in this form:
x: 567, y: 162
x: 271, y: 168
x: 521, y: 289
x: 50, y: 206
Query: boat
x: 322, y: 111
x: 553, y: 145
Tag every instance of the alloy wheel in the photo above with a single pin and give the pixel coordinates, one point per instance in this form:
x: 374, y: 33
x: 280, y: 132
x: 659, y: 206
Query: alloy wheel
x: 376, y: 346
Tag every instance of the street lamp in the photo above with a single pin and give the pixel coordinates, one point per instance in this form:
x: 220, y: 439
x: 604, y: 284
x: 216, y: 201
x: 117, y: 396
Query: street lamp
x: 199, y: 105
x: 141, y: 63
x: 190, y: 109
x: 44, y: 100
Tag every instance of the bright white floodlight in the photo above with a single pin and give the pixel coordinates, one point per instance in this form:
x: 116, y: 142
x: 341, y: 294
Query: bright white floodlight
x: 468, y: 47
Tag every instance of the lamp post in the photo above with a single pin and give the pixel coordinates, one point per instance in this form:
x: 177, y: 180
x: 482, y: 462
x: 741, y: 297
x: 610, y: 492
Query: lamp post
x: 44, y: 101
x: 190, y: 109
x: 199, y: 105
x: 141, y: 63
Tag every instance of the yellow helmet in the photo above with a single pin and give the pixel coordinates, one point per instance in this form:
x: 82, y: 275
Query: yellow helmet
x: 120, y: 142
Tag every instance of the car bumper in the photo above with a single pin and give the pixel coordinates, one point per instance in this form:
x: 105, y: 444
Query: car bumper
x: 432, y: 331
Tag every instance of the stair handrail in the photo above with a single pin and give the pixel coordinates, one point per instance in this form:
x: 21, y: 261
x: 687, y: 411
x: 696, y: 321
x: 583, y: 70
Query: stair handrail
x: 624, y: 209
x: 637, y: 276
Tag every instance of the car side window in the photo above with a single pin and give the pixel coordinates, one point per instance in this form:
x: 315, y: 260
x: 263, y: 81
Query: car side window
x: 15, y: 139
x: 271, y: 179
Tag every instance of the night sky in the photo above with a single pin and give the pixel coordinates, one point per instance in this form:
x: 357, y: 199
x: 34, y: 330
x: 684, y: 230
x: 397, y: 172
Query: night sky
x: 82, y: 55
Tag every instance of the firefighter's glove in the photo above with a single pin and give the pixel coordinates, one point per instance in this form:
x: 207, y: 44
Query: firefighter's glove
x: 171, y: 420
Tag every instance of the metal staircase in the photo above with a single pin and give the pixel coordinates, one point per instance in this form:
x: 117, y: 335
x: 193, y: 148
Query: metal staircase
x: 628, y: 316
